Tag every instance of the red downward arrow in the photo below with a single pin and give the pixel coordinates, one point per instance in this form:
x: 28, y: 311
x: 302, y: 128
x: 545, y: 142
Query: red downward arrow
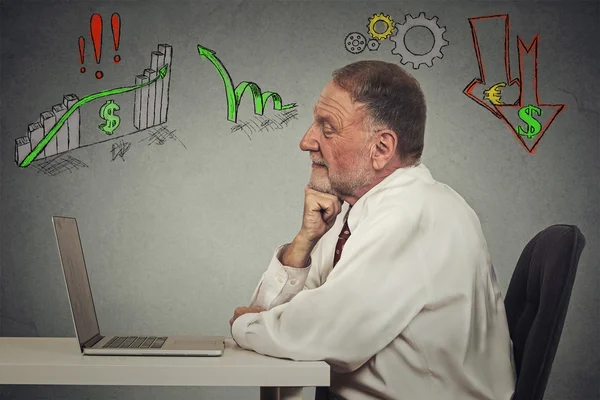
x: 547, y: 109
x: 483, y: 80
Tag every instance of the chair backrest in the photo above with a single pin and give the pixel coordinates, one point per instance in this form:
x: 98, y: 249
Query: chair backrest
x: 536, y: 304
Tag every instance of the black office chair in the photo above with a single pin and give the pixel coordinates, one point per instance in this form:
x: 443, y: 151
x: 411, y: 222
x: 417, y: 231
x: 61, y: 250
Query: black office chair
x: 536, y: 304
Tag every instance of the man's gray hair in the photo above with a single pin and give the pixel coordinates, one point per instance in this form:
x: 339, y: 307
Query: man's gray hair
x: 393, y: 99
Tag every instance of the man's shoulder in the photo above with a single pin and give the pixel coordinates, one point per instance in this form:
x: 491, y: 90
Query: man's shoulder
x: 415, y: 187
x: 421, y: 196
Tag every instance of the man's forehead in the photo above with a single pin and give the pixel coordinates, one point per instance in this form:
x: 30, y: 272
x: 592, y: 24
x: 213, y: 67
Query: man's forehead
x: 335, y: 100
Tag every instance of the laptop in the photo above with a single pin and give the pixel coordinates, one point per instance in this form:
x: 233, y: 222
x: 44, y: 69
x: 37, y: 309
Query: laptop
x: 91, y: 340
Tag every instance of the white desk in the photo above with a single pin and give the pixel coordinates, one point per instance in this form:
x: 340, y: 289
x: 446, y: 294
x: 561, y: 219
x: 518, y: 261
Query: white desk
x: 58, y: 361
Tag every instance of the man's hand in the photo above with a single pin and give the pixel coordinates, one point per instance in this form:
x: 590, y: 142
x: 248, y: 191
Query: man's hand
x: 320, y: 211
x: 244, y: 310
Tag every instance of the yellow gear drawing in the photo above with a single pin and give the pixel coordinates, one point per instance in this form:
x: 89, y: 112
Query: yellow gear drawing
x: 389, y: 22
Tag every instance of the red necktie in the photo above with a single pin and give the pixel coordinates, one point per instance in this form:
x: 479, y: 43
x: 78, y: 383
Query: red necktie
x: 322, y: 393
x: 344, y: 235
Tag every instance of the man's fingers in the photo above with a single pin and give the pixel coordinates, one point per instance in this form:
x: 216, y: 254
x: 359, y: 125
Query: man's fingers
x: 244, y: 310
x: 329, y: 210
x: 332, y: 208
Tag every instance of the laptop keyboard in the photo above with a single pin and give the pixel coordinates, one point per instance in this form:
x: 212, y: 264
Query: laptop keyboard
x: 141, y: 342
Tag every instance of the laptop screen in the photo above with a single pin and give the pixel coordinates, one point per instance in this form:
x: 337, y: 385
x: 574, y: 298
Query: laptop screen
x: 76, y: 278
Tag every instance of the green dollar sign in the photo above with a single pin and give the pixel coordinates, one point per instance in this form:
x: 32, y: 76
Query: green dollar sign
x: 533, y: 126
x: 107, y: 112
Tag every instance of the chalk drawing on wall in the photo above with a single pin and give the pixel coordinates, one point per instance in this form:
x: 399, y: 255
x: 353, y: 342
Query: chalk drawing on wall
x: 261, y: 123
x: 527, y: 118
x: 118, y: 149
x: 373, y: 44
x: 108, y: 112
x: 387, y: 26
x: 382, y: 27
x: 96, y: 28
x: 234, y: 95
x: 379, y: 27
x: 58, y: 164
x: 160, y: 135
x: 62, y: 163
x: 151, y: 101
x: 46, y: 136
x: 54, y: 132
x: 58, y: 130
x: 408, y: 56
x: 355, y: 42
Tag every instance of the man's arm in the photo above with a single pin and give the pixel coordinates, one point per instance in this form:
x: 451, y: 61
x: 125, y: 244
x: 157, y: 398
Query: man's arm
x: 291, y: 269
x: 297, y: 253
x: 370, y: 297
x: 283, y: 279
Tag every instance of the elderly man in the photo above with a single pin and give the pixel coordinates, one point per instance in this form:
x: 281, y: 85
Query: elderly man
x: 389, y: 279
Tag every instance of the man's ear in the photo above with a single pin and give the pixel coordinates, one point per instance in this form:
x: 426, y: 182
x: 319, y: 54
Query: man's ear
x: 384, y: 148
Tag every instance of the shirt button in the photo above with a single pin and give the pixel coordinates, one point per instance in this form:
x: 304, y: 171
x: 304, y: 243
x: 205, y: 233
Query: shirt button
x: 280, y: 280
x: 293, y: 282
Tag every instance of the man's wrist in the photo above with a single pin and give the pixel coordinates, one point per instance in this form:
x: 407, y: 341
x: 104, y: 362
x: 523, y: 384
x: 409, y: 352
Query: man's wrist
x: 297, y: 253
x: 302, y: 243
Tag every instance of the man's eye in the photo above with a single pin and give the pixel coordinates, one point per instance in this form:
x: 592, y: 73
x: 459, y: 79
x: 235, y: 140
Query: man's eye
x: 326, y: 130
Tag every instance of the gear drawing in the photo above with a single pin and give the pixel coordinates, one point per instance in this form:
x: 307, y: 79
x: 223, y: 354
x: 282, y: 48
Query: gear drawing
x: 355, y: 42
x: 373, y: 44
x: 389, y: 26
x: 418, y: 59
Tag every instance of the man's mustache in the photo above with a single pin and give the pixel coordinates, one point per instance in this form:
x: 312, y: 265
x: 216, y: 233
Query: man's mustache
x: 318, y: 162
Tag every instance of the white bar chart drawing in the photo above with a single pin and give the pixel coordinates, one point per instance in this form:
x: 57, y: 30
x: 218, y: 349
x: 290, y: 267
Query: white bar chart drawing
x: 67, y: 137
x: 151, y: 103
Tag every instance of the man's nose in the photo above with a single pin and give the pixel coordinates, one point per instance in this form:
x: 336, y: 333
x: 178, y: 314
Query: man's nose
x: 309, y: 141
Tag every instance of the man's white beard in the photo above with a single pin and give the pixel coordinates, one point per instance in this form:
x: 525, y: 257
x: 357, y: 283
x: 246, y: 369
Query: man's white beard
x: 342, y: 184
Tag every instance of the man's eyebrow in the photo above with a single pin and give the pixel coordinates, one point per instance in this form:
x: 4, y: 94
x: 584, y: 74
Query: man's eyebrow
x: 321, y: 118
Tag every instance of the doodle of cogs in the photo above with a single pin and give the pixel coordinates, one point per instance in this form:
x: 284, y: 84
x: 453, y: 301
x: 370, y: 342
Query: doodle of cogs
x: 373, y: 44
x: 389, y: 26
x: 418, y: 59
x: 355, y: 42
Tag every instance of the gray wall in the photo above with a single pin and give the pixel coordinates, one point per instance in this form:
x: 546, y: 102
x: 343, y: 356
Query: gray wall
x: 176, y: 235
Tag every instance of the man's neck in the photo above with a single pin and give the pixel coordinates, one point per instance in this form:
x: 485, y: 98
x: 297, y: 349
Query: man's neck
x: 380, y: 176
x: 360, y: 192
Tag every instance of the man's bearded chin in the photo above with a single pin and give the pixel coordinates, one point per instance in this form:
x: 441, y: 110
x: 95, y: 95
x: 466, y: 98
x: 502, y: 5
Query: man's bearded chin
x: 343, y: 184
x: 321, y: 183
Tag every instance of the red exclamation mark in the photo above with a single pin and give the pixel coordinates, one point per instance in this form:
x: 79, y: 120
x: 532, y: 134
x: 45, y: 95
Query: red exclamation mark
x: 115, y: 22
x: 96, y: 34
x: 81, y: 53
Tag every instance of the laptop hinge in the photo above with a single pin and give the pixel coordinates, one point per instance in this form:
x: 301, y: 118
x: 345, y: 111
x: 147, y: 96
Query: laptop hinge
x: 93, y: 341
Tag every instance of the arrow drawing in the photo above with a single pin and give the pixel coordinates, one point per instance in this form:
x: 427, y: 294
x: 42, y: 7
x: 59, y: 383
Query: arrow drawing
x: 491, y: 78
x: 527, y: 108
x: 234, y: 96
x: 529, y: 97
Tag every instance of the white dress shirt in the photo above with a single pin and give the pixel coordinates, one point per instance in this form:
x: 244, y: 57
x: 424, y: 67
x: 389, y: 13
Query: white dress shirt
x: 412, y: 310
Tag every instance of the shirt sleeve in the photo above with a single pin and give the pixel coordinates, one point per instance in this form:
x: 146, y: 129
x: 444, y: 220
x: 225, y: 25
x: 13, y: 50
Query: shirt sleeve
x: 280, y: 283
x: 378, y: 286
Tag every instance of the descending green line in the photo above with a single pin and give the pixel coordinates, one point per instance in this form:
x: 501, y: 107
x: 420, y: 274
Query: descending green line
x: 234, y: 96
x: 42, y: 144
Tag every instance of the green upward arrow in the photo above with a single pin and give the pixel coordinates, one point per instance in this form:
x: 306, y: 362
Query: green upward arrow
x: 234, y: 96
x: 42, y: 144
